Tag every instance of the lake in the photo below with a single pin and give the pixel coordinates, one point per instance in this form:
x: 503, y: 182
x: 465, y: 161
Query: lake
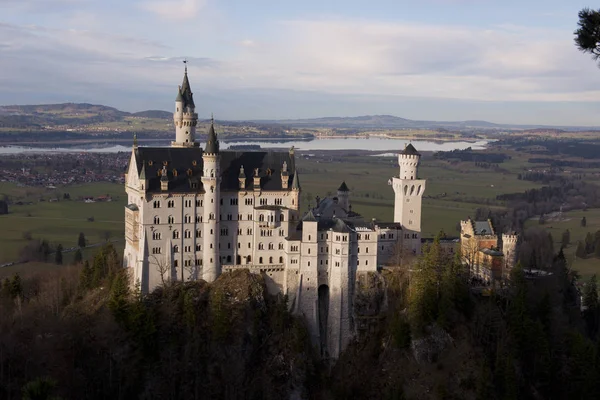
x: 374, y: 144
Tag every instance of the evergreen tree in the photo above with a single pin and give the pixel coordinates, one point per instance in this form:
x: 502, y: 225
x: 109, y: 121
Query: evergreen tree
x: 86, y: 278
x: 566, y: 238
x: 119, y: 297
x: 78, y: 258
x: 58, y: 256
x: 40, y: 389
x: 16, y: 287
x: 81, y: 242
x: 590, y: 302
x: 580, y: 252
x: 583, y: 222
x: 45, y: 250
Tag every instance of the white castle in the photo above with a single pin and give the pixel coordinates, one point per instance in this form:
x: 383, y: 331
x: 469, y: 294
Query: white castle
x: 196, y: 213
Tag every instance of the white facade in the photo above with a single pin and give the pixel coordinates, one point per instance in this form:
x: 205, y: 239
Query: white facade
x: 194, y: 214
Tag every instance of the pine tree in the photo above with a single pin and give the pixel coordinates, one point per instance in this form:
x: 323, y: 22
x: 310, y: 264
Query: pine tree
x: 58, y: 257
x: 566, y: 238
x: 16, y: 287
x: 78, y: 258
x: 86, y: 278
x: 81, y: 242
x: 580, y: 252
x: 583, y: 222
x: 118, y: 302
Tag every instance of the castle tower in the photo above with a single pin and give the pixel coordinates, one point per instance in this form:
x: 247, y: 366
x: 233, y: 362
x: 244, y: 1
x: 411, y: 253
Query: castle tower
x: 409, y: 193
x: 509, y: 249
x: 343, y: 195
x: 211, y: 180
x: 185, y: 117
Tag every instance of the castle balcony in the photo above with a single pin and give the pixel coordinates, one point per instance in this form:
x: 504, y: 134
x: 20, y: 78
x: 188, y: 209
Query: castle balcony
x: 254, y: 268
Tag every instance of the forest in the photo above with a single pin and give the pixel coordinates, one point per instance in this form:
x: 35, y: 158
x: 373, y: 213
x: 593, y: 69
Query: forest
x: 84, y: 333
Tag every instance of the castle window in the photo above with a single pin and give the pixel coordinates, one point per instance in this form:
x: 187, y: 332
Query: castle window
x: 198, y: 219
x: 261, y: 218
x: 198, y: 247
x: 233, y: 202
x: 171, y: 219
x: 366, y: 262
x: 229, y: 217
x: 175, y: 234
x: 280, y: 260
x: 308, y: 237
x: 157, y: 220
x: 198, y: 203
x: 187, y: 234
x: 156, y: 235
x: 281, y: 218
x: 171, y: 203
x: 367, y: 250
x: 175, y: 249
x: 248, y: 201
x: 228, y: 259
x: 249, y: 217
x: 188, y: 219
x: 176, y: 263
x: 280, y: 246
x: 240, y: 217
x: 261, y: 246
x: 308, y: 264
x: 358, y: 250
x: 156, y: 250
x: 156, y: 203
x: 270, y: 260
x: 271, y: 247
x: 187, y: 249
x: 309, y: 250
x: 260, y: 261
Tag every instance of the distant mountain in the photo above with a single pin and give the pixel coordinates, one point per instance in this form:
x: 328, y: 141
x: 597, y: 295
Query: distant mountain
x: 80, y: 114
x: 393, y: 122
x: 158, y: 114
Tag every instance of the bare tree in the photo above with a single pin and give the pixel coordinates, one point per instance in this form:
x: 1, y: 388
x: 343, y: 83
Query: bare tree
x: 162, y: 266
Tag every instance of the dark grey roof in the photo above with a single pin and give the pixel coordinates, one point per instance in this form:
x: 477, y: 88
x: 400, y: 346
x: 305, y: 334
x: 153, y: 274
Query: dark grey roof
x: 132, y: 207
x: 186, y: 92
x: 343, y: 187
x: 295, y: 180
x: 181, y: 170
x: 389, y: 225
x: 492, y: 252
x: 212, y: 143
x: 410, y: 150
x: 179, y: 96
x: 309, y: 217
x: 483, y: 228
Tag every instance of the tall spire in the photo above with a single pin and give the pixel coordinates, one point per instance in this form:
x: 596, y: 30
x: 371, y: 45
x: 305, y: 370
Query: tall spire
x: 212, y: 143
x: 135, y: 143
x: 185, y: 90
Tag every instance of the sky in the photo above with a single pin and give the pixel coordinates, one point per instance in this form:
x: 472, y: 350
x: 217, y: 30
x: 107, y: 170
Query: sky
x: 503, y: 61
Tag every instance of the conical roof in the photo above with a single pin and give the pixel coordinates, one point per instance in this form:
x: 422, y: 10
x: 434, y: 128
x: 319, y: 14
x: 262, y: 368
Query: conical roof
x: 309, y: 217
x: 295, y: 181
x: 343, y: 187
x: 212, y: 143
x: 185, y: 91
x: 410, y: 150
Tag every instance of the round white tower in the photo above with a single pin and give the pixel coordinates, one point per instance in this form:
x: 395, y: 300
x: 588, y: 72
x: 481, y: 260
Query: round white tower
x: 409, y: 191
x: 509, y: 249
x: 408, y: 161
x: 211, y: 180
x: 185, y: 117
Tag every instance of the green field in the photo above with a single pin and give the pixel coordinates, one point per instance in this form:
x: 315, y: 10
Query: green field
x: 61, y: 221
x: 572, y: 222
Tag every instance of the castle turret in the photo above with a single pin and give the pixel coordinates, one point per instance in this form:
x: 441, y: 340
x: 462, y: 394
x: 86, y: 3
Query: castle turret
x: 509, y: 249
x: 211, y: 180
x: 185, y: 117
x: 343, y: 195
x: 409, y: 193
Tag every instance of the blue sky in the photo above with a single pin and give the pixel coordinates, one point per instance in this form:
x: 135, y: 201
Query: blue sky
x: 502, y: 61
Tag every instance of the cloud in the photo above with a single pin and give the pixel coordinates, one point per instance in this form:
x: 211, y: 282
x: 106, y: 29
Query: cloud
x: 175, y: 9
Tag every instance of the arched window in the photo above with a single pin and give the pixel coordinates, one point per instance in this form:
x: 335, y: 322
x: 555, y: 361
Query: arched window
x: 157, y: 219
x: 188, y: 219
x: 271, y: 247
x: 405, y: 189
x: 412, y: 189
x: 171, y: 219
x: 261, y: 246
x: 175, y: 249
x: 270, y: 260
x: 187, y: 234
x: 281, y: 218
x: 260, y: 260
x: 228, y: 259
x: 280, y: 260
x: 261, y: 218
x: 249, y: 259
